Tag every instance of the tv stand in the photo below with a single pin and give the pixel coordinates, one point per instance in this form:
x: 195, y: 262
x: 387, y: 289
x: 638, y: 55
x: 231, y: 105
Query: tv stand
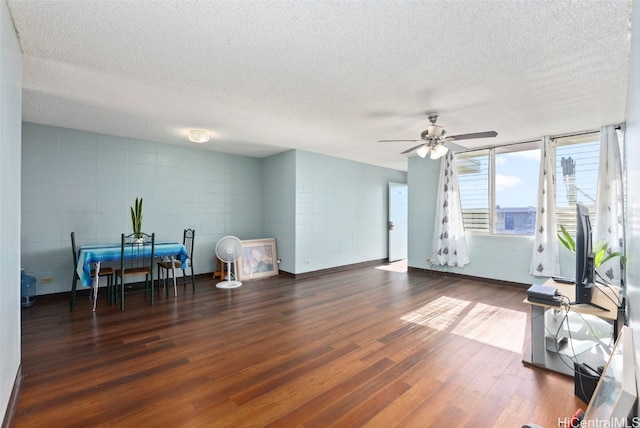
x: 546, y: 319
x: 602, y: 308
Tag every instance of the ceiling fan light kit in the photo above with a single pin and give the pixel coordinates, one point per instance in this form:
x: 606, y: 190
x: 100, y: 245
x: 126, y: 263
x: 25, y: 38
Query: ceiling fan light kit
x: 434, y: 139
x: 423, y: 151
x: 438, y: 151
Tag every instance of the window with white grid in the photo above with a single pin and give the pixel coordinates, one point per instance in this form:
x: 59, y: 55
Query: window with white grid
x: 499, y: 186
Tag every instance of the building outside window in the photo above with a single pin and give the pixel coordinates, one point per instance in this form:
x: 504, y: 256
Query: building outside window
x: 577, y: 160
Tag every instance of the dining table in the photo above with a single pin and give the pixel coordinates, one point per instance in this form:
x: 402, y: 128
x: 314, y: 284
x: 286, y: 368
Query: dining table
x: 92, y: 256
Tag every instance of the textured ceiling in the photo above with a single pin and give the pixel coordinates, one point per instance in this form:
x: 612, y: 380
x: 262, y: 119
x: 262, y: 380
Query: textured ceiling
x: 330, y: 77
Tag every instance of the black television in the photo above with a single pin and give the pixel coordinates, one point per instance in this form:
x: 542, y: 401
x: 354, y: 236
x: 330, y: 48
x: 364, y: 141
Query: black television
x: 585, y: 268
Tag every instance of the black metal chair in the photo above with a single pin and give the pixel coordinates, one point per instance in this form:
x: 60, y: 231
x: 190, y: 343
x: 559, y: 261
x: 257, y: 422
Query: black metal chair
x: 188, y: 237
x: 136, y: 259
x: 104, y: 271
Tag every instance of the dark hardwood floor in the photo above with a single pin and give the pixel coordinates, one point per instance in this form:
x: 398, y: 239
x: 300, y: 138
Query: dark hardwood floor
x: 364, y: 347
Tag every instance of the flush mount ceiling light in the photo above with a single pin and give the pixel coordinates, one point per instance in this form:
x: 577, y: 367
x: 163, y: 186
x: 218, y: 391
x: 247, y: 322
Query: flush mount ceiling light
x: 198, y: 136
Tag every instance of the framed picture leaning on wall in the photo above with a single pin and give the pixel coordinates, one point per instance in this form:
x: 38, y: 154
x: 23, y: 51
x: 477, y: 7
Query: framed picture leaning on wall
x: 259, y: 259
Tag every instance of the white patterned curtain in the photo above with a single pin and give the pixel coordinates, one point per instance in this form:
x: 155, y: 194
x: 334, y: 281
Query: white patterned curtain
x: 546, y: 259
x: 609, y: 203
x: 449, y: 242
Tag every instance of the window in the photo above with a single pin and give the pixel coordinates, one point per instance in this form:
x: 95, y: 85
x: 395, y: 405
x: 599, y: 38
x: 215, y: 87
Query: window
x: 499, y: 186
x: 473, y: 180
x: 577, y: 160
x: 516, y: 187
x: 505, y: 178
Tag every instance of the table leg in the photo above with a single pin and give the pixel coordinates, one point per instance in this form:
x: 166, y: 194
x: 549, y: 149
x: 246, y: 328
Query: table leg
x: 161, y: 279
x: 538, y: 348
x: 74, y: 282
x: 173, y: 268
x: 95, y: 284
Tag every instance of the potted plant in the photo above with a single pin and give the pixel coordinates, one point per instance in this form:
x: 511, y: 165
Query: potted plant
x: 136, y: 218
x: 600, y: 253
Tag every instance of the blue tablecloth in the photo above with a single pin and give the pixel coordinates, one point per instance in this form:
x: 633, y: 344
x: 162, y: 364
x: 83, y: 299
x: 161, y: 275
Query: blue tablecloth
x: 90, y: 254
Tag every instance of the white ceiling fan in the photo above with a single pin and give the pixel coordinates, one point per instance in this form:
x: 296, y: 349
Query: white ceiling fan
x: 434, y: 139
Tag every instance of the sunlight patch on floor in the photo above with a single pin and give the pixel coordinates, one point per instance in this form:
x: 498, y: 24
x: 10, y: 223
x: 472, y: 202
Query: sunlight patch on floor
x: 438, y: 314
x: 399, y: 266
x: 499, y: 327
x: 495, y: 326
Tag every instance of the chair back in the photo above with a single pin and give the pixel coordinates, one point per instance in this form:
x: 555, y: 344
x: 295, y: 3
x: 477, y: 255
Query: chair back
x: 75, y: 255
x: 73, y: 250
x: 137, y: 253
x: 187, y: 241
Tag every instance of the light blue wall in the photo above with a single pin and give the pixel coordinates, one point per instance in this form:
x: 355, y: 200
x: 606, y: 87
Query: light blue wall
x: 324, y: 212
x: 632, y: 156
x: 85, y: 182
x: 341, y: 211
x: 505, y: 258
x: 279, y: 205
x: 422, y: 179
x: 10, y: 117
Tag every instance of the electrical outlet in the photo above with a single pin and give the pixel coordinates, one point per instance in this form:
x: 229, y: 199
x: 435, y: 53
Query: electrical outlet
x: 46, y: 279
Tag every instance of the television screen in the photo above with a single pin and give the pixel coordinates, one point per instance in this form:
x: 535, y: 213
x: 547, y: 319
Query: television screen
x: 583, y: 243
x: 584, y: 256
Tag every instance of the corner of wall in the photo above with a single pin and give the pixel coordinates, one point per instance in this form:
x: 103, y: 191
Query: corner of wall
x: 10, y: 173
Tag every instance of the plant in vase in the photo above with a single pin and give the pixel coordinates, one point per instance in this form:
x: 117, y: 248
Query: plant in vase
x: 136, y: 218
x: 601, y: 252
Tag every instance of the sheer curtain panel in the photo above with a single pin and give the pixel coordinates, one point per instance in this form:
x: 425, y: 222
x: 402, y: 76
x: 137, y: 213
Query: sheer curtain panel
x: 449, y: 242
x: 609, y: 203
x: 546, y: 259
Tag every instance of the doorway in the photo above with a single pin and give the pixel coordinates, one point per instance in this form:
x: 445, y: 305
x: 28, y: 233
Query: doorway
x: 398, y: 221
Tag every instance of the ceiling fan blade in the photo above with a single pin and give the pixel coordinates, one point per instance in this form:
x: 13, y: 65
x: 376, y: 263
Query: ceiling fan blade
x: 396, y: 141
x: 455, y: 147
x: 412, y: 148
x: 474, y: 135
